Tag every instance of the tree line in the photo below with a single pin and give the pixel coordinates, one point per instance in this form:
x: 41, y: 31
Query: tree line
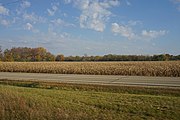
x: 25, y: 54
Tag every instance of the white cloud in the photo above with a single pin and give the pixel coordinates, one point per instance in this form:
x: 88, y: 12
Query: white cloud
x: 51, y: 13
x: 4, y: 22
x: 94, y: 17
x: 152, y: 34
x: 3, y: 10
x: 94, y: 13
x: 124, y: 31
x: 113, y: 2
x: 54, y: 8
x: 127, y: 32
x: 177, y: 2
x: 33, y: 18
x: 28, y: 26
x: 56, y: 23
x: 25, y: 4
x: 22, y: 7
x: 67, y: 1
x: 134, y: 23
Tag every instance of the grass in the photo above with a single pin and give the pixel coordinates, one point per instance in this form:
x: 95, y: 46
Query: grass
x: 148, y: 68
x: 21, y: 100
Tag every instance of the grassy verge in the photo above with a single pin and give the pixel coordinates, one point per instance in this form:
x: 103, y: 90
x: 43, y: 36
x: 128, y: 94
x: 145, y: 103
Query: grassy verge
x: 41, y: 100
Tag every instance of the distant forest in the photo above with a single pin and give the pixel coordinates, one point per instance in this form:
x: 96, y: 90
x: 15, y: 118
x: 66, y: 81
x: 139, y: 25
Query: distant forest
x: 25, y: 54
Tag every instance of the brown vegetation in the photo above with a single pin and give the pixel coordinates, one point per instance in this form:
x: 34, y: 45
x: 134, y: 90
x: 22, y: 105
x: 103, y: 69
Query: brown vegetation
x: 166, y: 68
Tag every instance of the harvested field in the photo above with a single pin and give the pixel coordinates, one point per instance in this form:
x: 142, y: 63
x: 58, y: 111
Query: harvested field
x: 153, y: 68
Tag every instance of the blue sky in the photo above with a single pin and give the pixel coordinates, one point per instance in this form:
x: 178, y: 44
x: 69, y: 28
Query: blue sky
x: 93, y: 27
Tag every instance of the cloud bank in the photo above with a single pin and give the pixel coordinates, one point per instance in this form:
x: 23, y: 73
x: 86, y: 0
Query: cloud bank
x: 94, y: 13
x: 3, y: 10
x: 127, y: 32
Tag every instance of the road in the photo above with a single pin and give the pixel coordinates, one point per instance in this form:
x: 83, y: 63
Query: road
x: 95, y: 79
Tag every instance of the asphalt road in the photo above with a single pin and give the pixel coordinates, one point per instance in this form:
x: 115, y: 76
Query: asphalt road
x: 95, y: 79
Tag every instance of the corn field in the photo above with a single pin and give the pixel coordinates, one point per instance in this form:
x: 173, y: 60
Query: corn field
x: 165, y: 68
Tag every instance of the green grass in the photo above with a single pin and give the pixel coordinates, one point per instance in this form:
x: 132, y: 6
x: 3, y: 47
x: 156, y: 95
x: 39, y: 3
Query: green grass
x: 21, y: 100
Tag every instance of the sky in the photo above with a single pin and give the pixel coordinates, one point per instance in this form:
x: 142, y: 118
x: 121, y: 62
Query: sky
x: 92, y: 27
